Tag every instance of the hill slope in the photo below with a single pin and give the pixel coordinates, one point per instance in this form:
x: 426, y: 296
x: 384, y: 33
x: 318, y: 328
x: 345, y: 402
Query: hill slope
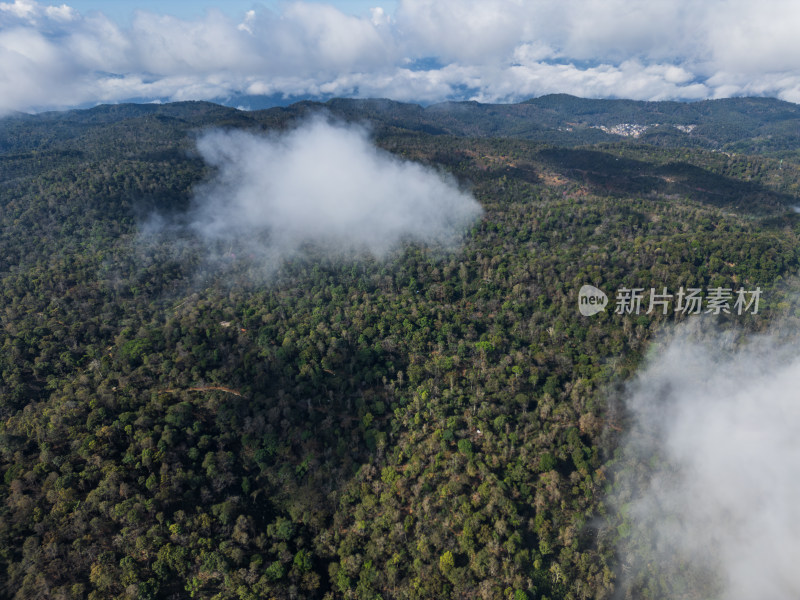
x: 429, y: 426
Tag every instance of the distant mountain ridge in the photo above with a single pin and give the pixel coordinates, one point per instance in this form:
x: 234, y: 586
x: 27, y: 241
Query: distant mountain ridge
x: 743, y: 125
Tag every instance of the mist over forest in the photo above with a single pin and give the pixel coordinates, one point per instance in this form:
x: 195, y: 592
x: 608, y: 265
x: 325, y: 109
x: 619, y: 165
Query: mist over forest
x: 334, y: 350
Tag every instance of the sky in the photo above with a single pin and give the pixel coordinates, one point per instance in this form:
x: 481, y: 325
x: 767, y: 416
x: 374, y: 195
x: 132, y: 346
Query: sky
x: 55, y: 56
x: 122, y: 11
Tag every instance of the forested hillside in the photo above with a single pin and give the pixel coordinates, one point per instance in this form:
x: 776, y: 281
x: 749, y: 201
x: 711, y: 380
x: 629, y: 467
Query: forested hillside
x: 436, y: 424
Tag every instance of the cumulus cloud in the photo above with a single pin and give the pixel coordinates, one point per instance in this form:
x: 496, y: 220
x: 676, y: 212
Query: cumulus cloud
x: 462, y: 32
x: 52, y: 56
x: 324, y: 184
x: 719, y: 419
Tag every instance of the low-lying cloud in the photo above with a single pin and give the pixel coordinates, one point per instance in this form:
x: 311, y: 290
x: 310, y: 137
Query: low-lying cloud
x: 424, y: 51
x: 324, y: 184
x: 718, y: 422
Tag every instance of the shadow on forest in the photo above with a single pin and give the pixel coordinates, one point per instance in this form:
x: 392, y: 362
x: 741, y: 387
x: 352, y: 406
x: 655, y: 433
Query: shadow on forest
x: 608, y: 174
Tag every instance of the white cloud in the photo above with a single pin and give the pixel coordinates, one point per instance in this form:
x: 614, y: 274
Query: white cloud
x: 52, y: 56
x: 60, y: 13
x: 721, y: 418
x: 616, y: 30
x: 462, y: 31
x: 22, y: 9
x: 755, y: 38
x: 165, y: 45
x: 326, y: 39
x: 326, y: 184
x: 96, y: 43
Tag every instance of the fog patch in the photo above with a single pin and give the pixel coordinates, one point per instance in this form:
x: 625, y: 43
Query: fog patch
x: 716, y: 512
x: 323, y: 185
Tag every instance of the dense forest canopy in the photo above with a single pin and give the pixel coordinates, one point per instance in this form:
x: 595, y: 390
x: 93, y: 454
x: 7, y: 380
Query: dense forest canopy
x: 436, y: 423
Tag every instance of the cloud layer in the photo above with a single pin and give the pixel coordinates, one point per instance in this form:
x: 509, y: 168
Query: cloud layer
x: 720, y: 421
x: 324, y: 184
x: 491, y: 50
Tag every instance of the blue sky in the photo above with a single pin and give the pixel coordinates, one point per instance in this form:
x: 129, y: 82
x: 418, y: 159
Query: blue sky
x: 83, y: 52
x: 122, y: 10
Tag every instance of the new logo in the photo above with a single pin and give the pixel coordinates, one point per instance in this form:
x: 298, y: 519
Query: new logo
x: 591, y: 300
